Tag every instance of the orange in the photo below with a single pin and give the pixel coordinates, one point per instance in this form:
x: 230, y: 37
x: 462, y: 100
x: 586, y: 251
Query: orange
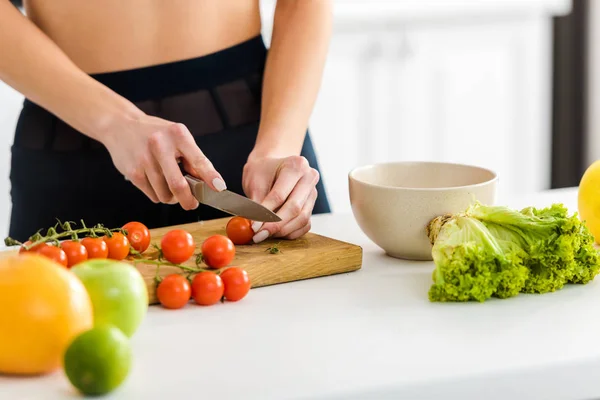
x: 43, y: 307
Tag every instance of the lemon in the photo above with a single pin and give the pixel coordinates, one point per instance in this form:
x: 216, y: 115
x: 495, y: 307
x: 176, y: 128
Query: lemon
x: 98, y: 360
x: 588, y: 199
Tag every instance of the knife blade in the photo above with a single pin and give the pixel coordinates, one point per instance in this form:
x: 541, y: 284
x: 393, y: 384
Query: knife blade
x: 230, y: 202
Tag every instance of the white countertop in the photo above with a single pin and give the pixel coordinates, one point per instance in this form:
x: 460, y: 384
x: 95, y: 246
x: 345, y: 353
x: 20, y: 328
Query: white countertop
x: 370, y: 334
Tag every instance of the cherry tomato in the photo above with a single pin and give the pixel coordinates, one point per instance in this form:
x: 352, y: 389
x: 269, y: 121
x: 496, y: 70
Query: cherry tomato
x: 75, y: 251
x: 118, y: 246
x: 177, y: 246
x: 207, y: 288
x: 96, y: 247
x: 33, y: 249
x: 138, y: 235
x: 174, y: 291
x: 54, y: 253
x: 239, y: 230
x: 237, y: 283
x: 218, y: 251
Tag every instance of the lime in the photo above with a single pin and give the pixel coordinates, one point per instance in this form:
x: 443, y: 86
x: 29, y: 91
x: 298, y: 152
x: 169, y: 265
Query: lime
x: 98, y: 360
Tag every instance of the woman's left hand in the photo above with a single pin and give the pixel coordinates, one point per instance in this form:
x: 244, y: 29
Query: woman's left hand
x: 285, y: 185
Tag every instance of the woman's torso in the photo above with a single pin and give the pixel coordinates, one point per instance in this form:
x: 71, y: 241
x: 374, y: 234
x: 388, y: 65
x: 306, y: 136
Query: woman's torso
x: 112, y: 35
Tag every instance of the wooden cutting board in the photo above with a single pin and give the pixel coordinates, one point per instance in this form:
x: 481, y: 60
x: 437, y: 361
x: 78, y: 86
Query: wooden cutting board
x: 310, y: 256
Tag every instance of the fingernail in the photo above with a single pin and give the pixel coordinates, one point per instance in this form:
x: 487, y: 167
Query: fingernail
x: 196, y: 205
x: 256, y: 225
x: 260, y: 236
x: 219, y: 184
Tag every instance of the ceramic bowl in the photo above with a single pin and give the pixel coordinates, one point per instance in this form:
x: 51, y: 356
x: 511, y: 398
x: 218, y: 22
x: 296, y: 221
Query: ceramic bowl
x: 393, y: 202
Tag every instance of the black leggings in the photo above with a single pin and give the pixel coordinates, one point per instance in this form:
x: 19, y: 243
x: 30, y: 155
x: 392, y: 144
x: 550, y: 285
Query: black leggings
x: 59, y: 173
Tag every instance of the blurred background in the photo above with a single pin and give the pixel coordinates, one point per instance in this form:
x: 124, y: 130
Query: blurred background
x: 506, y: 84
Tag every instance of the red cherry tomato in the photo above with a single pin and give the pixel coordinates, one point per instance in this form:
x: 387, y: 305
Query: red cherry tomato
x: 33, y: 249
x: 239, y: 230
x: 138, y: 235
x: 54, y: 253
x: 237, y: 283
x: 207, y: 288
x: 96, y: 247
x: 118, y: 246
x: 75, y: 251
x: 174, y: 291
x: 218, y: 251
x: 177, y: 246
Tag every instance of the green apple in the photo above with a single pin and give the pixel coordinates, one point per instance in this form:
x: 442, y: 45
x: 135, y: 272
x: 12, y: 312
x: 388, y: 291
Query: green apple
x: 118, y: 293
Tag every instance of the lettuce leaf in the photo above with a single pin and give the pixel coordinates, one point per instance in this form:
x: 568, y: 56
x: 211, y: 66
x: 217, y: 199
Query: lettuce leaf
x: 495, y: 251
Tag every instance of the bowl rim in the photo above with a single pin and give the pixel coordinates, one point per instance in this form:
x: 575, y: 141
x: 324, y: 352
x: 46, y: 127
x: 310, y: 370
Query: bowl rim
x: 354, y: 171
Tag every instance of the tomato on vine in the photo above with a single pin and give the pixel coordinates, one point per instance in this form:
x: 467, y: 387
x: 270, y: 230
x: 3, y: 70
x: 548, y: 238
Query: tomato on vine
x: 207, y: 288
x: 174, y: 291
x: 54, y: 253
x: 236, y: 282
x: 239, y: 230
x: 138, y: 235
x: 75, y: 251
x: 118, y: 246
x: 177, y: 246
x: 218, y: 251
x: 96, y: 247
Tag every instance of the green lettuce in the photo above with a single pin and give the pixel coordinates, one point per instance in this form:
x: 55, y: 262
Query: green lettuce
x: 554, y: 249
x: 549, y: 236
x: 471, y: 264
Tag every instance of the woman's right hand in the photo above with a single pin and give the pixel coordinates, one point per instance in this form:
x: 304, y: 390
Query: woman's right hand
x: 147, y: 149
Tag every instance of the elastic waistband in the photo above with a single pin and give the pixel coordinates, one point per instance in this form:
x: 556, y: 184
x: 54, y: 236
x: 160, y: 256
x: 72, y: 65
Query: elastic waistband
x: 179, y: 77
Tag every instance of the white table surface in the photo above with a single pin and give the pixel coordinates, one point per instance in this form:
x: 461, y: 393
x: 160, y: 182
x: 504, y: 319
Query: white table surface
x: 370, y: 334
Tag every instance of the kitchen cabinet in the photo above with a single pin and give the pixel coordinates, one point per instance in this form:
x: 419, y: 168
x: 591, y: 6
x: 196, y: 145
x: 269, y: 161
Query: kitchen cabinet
x: 459, y: 81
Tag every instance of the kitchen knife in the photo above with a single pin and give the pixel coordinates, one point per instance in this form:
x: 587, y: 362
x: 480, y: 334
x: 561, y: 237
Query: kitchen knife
x: 230, y: 202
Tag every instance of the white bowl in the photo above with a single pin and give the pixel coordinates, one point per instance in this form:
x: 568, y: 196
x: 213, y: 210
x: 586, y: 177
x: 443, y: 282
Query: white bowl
x: 393, y: 202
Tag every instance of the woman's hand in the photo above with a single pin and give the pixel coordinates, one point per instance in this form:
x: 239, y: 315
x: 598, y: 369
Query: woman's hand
x: 284, y: 185
x: 146, y: 150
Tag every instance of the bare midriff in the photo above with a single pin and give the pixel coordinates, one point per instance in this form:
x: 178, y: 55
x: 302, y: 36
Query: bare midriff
x: 113, y: 35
